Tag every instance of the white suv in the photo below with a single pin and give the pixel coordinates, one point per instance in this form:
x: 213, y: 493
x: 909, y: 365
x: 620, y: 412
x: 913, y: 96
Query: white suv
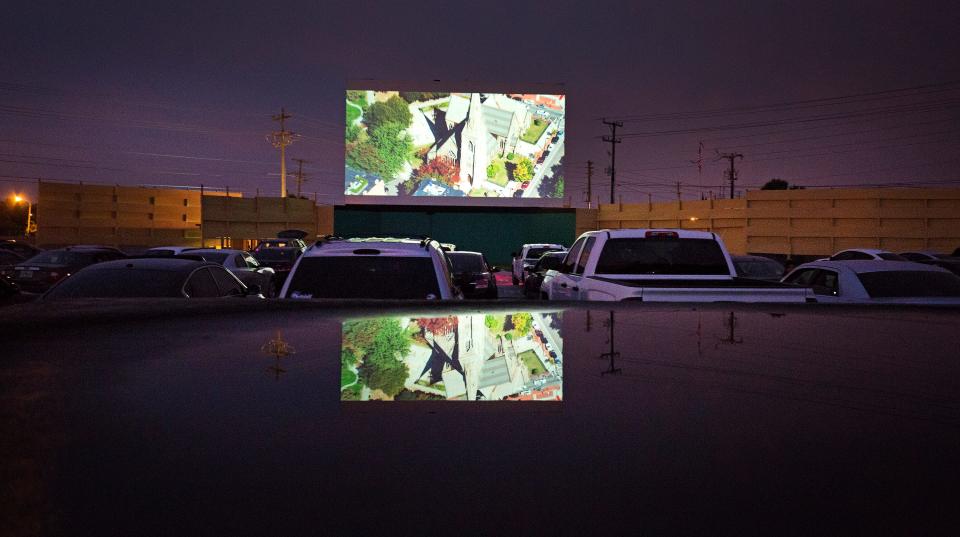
x: 372, y: 268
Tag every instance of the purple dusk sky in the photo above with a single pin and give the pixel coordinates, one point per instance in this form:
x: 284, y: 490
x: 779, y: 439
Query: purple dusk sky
x: 181, y: 93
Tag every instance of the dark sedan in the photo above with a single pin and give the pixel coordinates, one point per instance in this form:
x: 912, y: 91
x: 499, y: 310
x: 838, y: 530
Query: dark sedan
x: 281, y: 260
x: 547, y: 261
x: 151, y: 278
x: 473, y: 274
x: 38, y: 273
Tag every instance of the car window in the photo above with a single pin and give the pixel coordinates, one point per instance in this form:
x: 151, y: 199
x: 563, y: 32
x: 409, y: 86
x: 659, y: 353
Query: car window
x: 572, y: 256
x: 61, y: 257
x: 826, y: 283
x: 386, y: 277
x: 802, y: 277
x: 535, y: 253
x: 250, y: 261
x: 662, y: 255
x: 119, y: 283
x: 202, y: 285
x: 548, y: 262
x: 887, y: 256
x: 584, y: 255
x: 466, y: 262
x: 239, y: 262
x: 909, y: 283
x: 227, y: 283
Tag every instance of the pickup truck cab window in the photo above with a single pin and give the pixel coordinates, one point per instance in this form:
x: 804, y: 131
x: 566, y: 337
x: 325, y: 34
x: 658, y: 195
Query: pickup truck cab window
x: 572, y: 257
x: 826, y: 283
x: 802, y: 277
x: 584, y: 255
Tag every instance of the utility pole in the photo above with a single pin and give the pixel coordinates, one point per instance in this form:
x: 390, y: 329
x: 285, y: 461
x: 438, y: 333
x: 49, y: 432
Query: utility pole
x: 301, y: 177
x: 732, y: 172
x: 281, y: 139
x: 589, y: 184
x: 613, y: 141
x: 678, y: 191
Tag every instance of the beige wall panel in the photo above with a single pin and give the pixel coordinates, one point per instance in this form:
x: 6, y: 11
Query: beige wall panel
x: 768, y: 245
x: 811, y: 246
x: 904, y: 203
x: 953, y: 204
x: 814, y: 203
x: 780, y: 205
x: 896, y: 226
x: 902, y: 244
x: 864, y: 226
x: 843, y: 243
x: 944, y: 227
x: 944, y: 245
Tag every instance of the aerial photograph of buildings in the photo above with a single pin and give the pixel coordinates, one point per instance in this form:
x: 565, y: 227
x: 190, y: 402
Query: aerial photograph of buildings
x: 472, y: 357
x: 408, y: 143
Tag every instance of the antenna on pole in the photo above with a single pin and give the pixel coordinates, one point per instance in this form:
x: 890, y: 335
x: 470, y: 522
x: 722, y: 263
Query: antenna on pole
x: 281, y: 139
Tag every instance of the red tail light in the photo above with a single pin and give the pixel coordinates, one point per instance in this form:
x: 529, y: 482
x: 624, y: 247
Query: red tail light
x: 662, y: 234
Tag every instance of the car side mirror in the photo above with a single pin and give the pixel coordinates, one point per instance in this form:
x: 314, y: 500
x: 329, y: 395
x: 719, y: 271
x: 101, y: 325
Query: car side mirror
x: 494, y: 269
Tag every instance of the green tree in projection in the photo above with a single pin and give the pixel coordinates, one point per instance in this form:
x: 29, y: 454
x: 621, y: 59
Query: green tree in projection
x: 558, y: 192
x: 524, y: 170
x: 393, y: 146
x: 352, y: 133
x: 364, y: 156
x: 493, y: 322
x: 491, y: 171
x: 382, y: 343
x: 393, y: 110
x: 522, y: 323
x: 347, y: 358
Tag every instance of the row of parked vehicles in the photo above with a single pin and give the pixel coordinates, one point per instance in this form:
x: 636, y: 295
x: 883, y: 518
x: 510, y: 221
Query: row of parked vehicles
x: 663, y: 265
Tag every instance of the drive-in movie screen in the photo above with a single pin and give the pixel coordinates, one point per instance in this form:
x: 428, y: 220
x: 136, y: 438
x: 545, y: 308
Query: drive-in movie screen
x: 473, y: 357
x: 480, y: 145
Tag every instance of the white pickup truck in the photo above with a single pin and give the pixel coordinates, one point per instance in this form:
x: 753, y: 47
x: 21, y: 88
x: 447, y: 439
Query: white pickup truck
x: 528, y: 256
x: 658, y: 265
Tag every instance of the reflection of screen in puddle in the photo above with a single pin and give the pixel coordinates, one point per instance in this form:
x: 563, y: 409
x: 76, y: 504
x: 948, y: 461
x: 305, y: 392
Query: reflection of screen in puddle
x: 492, y: 357
x: 464, y: 145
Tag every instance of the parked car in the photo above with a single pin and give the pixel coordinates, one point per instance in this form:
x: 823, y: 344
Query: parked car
x: 374, y: 268
x: 291, y: 238
x: 167, y: 251
x: 865, y: 254
x: 658, y: 265
x: 243, y: 265
x: 924, y: 255
x: 9, y: 258
x: 38, y: 273
x: 547, y: 261
x: 528, y: 256
x: 876, y: 281
x: 473, y: 274
x: 151, y: 278
x: 21, y: 248
x: 927, y: 257
x: 757, y: 267
x: 280, y: 260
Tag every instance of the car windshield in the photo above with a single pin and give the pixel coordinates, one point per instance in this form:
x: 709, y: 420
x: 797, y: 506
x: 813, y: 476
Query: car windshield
x: 385, y: 277
x: 662, y: 255
x: 119, y: 283
x: 275, y: 244
x: 909, y: 283
x: 758, y: 268
x: 891, y: 257
x: 159, y: 252
x: 276, y: 254
x: 212, y: 256
x: 61, y: 257
x: 466, y: 262
x: 535, y: 253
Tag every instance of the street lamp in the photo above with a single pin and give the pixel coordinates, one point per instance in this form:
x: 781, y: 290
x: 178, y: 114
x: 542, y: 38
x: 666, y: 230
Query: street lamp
x: 17, y: 198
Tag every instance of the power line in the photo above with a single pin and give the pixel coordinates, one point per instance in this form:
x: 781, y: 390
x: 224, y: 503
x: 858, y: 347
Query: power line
x: 613, y: 141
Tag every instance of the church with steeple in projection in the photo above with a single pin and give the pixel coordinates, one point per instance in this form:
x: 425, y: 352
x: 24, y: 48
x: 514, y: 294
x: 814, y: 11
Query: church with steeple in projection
x: 467, y: 142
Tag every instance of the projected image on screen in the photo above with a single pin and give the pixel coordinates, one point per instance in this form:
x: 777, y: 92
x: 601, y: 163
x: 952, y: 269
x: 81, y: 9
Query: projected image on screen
x: 476, y: 357
x: 408, y: 143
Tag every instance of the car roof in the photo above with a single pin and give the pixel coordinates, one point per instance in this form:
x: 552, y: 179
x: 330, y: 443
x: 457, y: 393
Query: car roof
x: 171, y: 264
x: 633, y: 233
x: 196, y: 251
x: 873, y: 265
x: 386, y: 246
x: 865, y: 250
x: 542, y: 245
x: 463, y: 253
x: 752, y: 258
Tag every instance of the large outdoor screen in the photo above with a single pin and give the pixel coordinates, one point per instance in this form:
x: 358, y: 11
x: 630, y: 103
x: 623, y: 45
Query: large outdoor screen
x: 478, y: 145
x: 471, y: 357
